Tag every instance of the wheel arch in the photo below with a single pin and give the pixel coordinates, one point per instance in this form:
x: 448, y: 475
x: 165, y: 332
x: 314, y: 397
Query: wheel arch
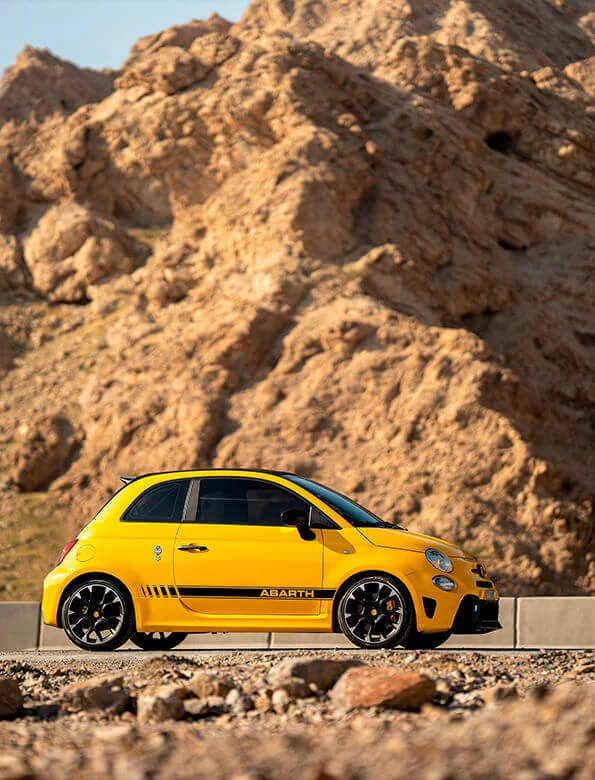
x: 369, y: 573
x: 91, y: 575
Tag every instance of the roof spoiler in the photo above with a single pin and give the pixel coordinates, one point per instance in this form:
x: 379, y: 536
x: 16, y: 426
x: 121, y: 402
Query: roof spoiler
x: 127, y: 480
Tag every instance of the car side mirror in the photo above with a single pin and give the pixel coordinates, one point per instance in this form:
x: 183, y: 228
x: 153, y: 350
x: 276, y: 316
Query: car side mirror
x: 294, y: 517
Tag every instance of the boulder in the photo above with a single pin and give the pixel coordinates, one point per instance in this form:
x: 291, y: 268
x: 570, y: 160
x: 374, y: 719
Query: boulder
x: 383, y: 687
x: 11, y: 698
x: 71, y: 249
x: 44, y: 447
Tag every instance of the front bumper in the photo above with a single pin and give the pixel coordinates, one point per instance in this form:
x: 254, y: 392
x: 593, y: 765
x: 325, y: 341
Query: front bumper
x: 476, y: 617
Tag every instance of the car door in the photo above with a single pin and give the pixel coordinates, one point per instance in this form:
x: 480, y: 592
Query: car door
x: 236, y: 557
x: 145, y: 537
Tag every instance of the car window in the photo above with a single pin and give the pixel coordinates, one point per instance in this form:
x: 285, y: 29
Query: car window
x: 162, y: 503
x: 354, y: 513
x: 238, y: 501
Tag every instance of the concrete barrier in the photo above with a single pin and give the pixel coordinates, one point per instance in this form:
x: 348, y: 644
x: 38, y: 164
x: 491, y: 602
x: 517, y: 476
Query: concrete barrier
x: 527, y: 623
x: 19, y: 625
x: 556, y: 622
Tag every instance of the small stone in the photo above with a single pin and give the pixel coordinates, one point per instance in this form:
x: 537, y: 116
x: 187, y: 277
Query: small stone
x: 98, y: 693
x: 166, y: 703
x: 383, y: 687
x: 238, y: 701
x: 305, y: 677
x: 204, y: 708
x: 280, y: 700
x: 12, y: 767
x: 499, y: 693
x: 11, y: 698
x: 205, y: 684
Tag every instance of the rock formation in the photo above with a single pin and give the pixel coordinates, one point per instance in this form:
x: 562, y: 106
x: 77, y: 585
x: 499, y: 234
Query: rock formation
x: 351, y: 240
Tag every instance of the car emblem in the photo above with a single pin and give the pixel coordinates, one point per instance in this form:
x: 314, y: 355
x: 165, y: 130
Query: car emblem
x: 157, y: 550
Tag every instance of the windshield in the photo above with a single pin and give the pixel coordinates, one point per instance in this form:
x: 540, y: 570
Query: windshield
x: 354, y: 513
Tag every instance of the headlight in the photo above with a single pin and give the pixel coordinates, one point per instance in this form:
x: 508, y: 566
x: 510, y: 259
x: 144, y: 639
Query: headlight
x: 444, y: 583
x: 439, y: 560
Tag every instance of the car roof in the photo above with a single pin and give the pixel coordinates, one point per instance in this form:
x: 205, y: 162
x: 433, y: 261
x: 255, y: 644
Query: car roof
x: 127, y: 479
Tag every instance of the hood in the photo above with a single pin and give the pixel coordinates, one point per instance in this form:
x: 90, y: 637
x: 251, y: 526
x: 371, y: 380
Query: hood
x: 405, y: 540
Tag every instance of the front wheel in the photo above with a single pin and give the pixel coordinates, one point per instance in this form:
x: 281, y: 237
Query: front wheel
x: 375, y: 612
x: 98, y: 615
x: 157, y: 640
x: 417, y: 641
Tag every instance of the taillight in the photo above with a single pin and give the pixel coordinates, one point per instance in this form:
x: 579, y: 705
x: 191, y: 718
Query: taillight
x: 67, y: 548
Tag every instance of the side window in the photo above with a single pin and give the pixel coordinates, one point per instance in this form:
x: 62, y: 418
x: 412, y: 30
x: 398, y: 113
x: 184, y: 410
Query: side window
x: 162, y: 503
x: 237, y: 501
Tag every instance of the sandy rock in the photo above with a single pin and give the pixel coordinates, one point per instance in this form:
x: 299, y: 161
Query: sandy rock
x: 280, y: 701
x: 179, y: 35
x: 11, y: 698
x: 39, y: 85
x: 499, y: 693
x: 99, y: 693
x: 205, y: 707
x: 13, y: 273
x: 72, y: 249
x: 165, y: 703
x: 44, y: 447
x: 382, y: 687
x: 168, y: 69
x: 203, y: 684
x: 301, y: 678
x: 239, y: 701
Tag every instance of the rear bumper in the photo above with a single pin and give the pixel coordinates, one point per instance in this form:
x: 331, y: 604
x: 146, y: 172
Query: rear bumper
x: 476, y: 617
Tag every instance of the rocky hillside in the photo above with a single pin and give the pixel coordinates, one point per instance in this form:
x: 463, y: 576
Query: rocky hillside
x: 350, y: 239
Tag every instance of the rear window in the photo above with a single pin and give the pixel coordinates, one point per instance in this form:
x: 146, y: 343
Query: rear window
x: 163, y: 503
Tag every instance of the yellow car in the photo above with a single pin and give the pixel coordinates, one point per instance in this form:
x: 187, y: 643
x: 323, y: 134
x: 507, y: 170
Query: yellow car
x: 235, y: 550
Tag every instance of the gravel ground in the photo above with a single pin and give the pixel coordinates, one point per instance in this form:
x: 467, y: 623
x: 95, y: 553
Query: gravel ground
x: 525, y: 715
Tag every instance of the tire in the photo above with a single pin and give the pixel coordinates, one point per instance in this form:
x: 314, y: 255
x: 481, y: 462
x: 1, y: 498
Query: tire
x: 157, y: 640
x: 416, y: 641
x: 98, y: 615
x: 376, y: 612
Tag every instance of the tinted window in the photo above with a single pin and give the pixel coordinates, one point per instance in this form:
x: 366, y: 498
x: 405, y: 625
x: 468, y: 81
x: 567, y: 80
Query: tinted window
x: 354, y: 513
x: 162, y: 503
x: 237, y: 501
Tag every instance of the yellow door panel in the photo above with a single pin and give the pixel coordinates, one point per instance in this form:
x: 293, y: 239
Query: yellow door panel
x: 248, y: 570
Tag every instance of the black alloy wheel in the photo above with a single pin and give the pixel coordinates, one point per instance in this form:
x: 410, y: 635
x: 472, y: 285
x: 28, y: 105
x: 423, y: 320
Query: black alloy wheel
x: 417, y: 641
x: 375, y: 612
x: 98, y: 615
x: 157, y: 640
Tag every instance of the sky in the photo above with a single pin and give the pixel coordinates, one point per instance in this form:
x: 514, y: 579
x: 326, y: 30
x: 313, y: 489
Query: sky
x: 96, y: 33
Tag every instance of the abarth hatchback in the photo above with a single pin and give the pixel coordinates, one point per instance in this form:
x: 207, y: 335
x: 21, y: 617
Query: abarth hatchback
x: 237, y: 550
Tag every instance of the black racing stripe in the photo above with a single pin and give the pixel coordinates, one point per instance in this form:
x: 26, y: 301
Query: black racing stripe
x: 142, y: 587
x: 164, y: 591
x: 257, y: 593
x: 149, y: 591
x: 172, y: 591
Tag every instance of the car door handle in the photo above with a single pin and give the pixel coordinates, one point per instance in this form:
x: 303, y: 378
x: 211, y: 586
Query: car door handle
x: 193, y: 548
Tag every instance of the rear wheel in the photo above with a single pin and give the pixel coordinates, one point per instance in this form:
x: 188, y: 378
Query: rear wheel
x: 157, y: 640
x: 98, y: 615
x: 375, y: 612
x: 417, y: 641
